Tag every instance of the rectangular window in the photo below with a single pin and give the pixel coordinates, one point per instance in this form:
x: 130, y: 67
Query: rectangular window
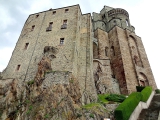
x: 64, y: 22
x: 18, y: 67
x: 64, y: 26
x: 50, y: 27
x: 26, y: 46
x: 54, y: 12
x: 61, y: 41
x: 66, y: 10
x: 33, y: 27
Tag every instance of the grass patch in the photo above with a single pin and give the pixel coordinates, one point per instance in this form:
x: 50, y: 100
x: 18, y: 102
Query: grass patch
x: 102, y: 98
x: 97, y: 108
x: 116, y: 98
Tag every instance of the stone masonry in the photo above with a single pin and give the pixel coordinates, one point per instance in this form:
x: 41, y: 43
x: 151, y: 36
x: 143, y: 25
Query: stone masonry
x: 101, y: 51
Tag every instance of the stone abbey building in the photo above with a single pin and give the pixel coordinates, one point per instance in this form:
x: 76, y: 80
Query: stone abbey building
x: 101, y: 51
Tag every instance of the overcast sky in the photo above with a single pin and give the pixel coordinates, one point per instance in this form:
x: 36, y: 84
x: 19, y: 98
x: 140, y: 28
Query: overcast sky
x: 143, y: 14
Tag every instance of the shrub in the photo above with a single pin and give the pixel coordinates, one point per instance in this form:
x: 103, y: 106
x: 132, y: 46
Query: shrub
x: 116, y: 98
x: 157, y: 91
x: 146, y: 92
x: 139, y: 88
x: 125, y: 109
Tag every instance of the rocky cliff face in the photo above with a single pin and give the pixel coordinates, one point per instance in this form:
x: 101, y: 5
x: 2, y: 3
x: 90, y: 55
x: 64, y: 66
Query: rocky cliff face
x: 52, y: 95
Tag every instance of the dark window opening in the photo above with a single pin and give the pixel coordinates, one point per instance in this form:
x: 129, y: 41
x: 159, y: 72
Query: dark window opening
x: 54, y: 12
x: 33, y: 27
x: 26, y: 46
x: 50, y: 27
x: 64, y: 26
x: 103, y: 16
x: 61, y: 41
x: 18, y: 67
x: 66, y: 10
x: 64, y: 21
x: 37, y: 15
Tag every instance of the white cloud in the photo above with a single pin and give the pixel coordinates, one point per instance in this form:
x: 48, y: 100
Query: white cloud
x: 6, y: 19
x: 5, y: 56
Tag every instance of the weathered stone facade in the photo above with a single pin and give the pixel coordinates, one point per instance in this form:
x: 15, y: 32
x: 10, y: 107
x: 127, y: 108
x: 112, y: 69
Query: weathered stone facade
x: 118, y: 53
x: 73, y: 57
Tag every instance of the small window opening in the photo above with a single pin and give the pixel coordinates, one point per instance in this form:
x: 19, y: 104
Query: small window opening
x: 127, y: 22
x: 54, y: 12
x: 64, y: 26
x: 37, y: 15
x: 66, y: 10
x: 33, y: 27
x: 64, y: 22
x: 50, y: 24
x: 50, y: 27
x: 26, y: 46
x: 103, y: 16
x: 61, y: 41
x: 18, y: 67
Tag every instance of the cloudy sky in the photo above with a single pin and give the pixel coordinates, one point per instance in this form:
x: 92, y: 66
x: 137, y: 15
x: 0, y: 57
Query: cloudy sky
x: 144, y: 17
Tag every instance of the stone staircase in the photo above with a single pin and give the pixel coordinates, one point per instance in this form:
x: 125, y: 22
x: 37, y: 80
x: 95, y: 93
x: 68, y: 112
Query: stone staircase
x: 152, y: 113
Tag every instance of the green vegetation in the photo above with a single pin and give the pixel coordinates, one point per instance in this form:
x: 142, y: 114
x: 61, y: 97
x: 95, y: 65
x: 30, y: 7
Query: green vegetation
x: 157, y: 91
x: 146, y: 92
x: 91, y: 115
x: 27, y: 101
x: 30, y: 82
x: 89, y: 106
x: 29, y: 109
x: 78, y: 115
x: 71, y: 80
x: 139, y: 88
x: 102, y: 98
x: 48, y: 72
x: 116, y: 97
x: 46, y: 116
x: 125, y: 109
x: 97, y: 108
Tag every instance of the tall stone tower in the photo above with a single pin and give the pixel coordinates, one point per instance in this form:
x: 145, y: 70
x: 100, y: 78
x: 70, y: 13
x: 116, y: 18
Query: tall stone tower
x: 64, y: 59
x: 118, y: 53
x: 101, y: 51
